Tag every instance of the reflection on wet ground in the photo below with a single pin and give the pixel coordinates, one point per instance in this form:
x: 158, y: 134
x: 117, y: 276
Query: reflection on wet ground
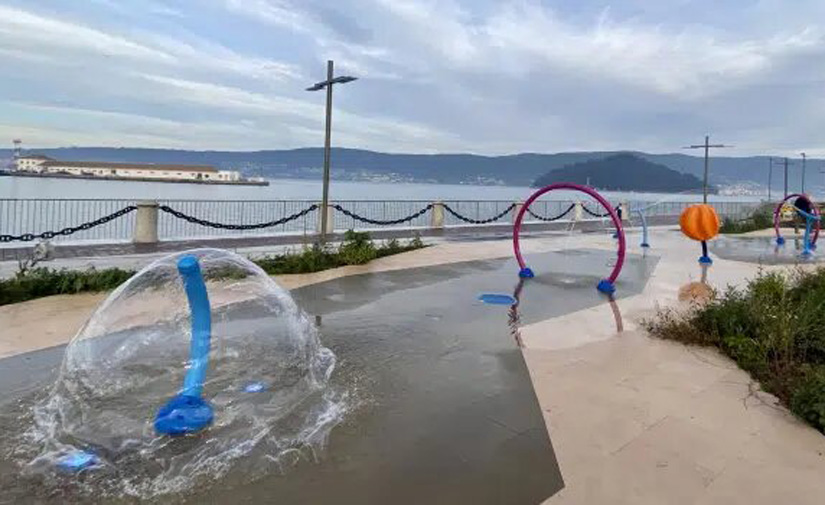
x: 763, y: 250
x: 444, y: 407
x: 697, y: 291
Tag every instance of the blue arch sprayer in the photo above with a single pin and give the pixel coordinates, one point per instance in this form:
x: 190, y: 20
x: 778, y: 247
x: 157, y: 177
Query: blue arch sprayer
x: 188, y: 412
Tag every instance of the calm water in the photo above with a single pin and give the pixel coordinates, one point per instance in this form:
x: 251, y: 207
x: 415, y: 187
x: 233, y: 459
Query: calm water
x: 293, y: 189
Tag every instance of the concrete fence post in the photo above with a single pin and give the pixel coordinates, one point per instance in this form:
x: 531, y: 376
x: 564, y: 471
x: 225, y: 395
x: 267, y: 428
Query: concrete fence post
x: 516, y: 210
x: 146, y: 222
x: 625, y: 211
x: 330, y: 218
x: 578, y: 212
x: 437, y: 215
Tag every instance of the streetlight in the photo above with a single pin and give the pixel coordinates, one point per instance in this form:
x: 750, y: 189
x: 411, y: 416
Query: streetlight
x: 785, y: 163
x: 318, y: 86
x: 706, y: 146
x: 804, y: 160
x: 770, y: 176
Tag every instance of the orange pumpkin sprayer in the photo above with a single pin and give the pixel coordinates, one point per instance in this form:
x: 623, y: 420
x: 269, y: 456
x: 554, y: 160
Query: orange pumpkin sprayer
x: 700, y: 222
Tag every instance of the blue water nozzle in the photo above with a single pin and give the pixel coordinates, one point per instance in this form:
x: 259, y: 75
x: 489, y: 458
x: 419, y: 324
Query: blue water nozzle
x: 254, y: 387
x: 183, y: 415
x: 526, y: 273
x: 497, y: 299
x: 780, y: 240
x: 705, y: 260
x: 76, y: 461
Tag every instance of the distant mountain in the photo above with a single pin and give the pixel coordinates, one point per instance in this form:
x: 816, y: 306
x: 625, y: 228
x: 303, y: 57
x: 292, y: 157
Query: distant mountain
x: 624, y: 172
x: 357, y: 164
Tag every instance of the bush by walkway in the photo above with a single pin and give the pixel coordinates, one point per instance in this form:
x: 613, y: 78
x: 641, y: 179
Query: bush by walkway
x: 760, y: 219
x: 356, y: 249
x: 774, y: 328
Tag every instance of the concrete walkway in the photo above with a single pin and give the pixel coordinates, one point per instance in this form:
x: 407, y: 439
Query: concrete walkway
x: 633, y: 420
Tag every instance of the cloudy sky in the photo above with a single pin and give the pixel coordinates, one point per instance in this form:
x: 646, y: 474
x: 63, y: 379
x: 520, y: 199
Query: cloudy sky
x: 481, y: 76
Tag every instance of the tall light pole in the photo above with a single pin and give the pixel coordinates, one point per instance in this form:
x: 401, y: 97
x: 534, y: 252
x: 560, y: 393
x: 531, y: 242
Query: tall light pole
x: 804, y: 160
x: 783, y: 163
x: 770, y: 176
x: 318, y: 86
x: 707, y: 147
x: 786, y: 163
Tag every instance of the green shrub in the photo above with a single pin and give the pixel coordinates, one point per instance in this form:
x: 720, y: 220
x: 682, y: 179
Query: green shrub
x: 312, y: 258
x: 40, y: 282
x: 808, y: 398
x: 774, y: 328
x: 356, y: 249
x: 760, y: 219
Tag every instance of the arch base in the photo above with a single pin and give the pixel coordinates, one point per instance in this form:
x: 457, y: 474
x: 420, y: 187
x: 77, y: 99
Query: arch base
x: 607, y: 287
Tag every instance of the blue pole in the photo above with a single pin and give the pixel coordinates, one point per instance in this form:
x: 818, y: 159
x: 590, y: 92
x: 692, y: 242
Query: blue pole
x: 188, y: 412
x: 807, y: 250
x: 201, y: 320
x: 705, y: 258
x: 806, y: 241
x: 644, y: 229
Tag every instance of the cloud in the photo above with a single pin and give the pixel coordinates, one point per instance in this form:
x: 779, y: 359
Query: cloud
x: 485, y: 76
x: 22, y: 29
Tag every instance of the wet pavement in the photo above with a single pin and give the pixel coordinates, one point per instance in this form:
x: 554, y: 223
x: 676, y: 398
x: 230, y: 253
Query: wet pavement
x: 764, y: 250
x: 446, y: 411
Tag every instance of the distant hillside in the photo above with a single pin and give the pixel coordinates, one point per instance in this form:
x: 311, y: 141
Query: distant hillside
x: 624, y: 172
x: 357, y: 164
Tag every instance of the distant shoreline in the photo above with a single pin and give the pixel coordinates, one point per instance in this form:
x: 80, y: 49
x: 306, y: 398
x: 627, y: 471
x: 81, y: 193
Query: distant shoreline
x: 8, y: 173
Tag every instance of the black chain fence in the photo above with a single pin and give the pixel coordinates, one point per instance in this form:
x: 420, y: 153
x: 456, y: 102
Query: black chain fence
x: 46, y: 235
x: 554, y: 218
x: 380, y: 222
x: 480, y: 221
x: 256, y: 226
x: 594, y: 214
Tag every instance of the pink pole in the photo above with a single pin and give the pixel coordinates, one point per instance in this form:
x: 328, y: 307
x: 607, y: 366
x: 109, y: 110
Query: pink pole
x: 778, y: 210
x: 575, y: 187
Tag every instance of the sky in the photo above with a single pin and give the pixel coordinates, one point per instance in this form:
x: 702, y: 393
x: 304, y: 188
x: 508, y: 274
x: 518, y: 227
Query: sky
x: 481, y: 76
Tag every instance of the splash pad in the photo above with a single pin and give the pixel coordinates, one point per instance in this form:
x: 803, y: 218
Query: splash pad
x: 255, y: 393
x: 607, y: 285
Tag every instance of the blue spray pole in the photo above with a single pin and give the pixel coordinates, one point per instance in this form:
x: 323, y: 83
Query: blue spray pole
x: 807, y: 249
x: 644, y: 229
x: 188, y: 412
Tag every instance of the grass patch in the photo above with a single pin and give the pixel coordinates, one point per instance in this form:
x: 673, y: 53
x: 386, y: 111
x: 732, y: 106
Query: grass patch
x: 356, y: 249
x: 773, y: 328
x: 760, y: 219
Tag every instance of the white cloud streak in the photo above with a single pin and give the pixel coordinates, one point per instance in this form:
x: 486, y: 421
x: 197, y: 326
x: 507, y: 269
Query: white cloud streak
x: 446, y: 75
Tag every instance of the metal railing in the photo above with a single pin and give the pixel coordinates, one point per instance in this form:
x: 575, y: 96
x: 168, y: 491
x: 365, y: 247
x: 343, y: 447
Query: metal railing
x: 22, y: 216
x: 236, y: 212
x: 34, y: 216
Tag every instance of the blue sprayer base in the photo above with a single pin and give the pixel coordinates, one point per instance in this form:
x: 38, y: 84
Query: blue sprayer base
x: 645, y: 244
x: 780, y: 240
x: 607, y: 287
x: 705, y: 260
x: 526, y: 273
x: 76, y: 461
x: 183, y: 415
